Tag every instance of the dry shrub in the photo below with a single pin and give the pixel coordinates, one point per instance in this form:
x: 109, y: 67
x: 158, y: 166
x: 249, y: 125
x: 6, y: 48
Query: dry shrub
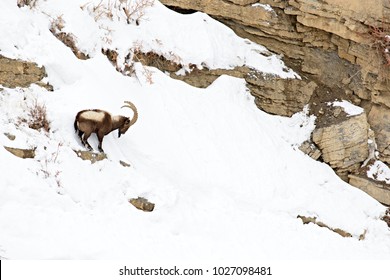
x: 381, y: 41
x: 57, y: 24
x: 148, y: 75
x: 171, y: 64
x: 133, y: 10
x: 49, y: 167
x: 100, y: 10
x: 37, y: 117
x: 127, y: 66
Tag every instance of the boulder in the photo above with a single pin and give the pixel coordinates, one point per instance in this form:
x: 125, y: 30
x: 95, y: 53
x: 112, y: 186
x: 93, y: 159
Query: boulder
x: 91, y: 156
x: 142, y: 204
x: 343, y: 142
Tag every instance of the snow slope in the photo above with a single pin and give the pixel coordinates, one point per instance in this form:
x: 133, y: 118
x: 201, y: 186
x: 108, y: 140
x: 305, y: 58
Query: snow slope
x: 226, y: 178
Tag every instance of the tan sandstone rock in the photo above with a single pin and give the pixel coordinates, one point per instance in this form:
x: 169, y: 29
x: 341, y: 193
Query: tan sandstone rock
x: 344, y: 144
x: 243, y: 2
x: 22, y: 153
x: 142, y: 204
x: 279, y: 96
x: 379, y: 119
x: 378, y: 190
x: 91, y: 156
x: 272, y: 94
x: 18, y: 73
x: 310, y: 149
x: 313, y: 220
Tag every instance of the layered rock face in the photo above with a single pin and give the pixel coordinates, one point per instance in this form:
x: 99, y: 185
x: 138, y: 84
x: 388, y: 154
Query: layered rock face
x: 17, y: 73
x: 331, y: 40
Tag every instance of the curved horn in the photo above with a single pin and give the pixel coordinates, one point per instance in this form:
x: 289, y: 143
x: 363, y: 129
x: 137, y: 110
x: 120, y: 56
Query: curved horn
x: 132, y: 107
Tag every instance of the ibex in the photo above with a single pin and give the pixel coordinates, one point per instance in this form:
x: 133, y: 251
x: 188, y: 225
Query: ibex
x: 101, y: 122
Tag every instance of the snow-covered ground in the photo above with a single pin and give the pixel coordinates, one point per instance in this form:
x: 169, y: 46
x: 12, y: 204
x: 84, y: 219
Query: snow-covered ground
x: 226, y: 178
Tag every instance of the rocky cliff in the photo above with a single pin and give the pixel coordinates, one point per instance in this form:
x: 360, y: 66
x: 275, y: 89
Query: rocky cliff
x: 341, y: 49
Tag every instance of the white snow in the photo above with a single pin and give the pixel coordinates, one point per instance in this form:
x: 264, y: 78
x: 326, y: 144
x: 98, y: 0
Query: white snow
x: 348, y: 107
x: 266, y: 7
x: 379, y: 171
x: 225, y: 178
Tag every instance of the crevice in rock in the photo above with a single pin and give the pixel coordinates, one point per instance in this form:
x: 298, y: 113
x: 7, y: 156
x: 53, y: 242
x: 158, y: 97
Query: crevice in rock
x: 180, y: 10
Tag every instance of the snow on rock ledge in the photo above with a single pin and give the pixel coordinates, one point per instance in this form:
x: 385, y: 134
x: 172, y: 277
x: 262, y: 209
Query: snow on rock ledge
x: 374, y: 180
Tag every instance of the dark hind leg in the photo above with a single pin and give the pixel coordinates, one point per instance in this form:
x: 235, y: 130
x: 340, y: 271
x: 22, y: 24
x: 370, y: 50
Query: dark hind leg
x: 80, y: 134
x: 85, y: 142
x: 100, y: 138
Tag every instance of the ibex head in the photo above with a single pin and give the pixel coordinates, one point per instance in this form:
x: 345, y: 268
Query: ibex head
x: 128, y: 122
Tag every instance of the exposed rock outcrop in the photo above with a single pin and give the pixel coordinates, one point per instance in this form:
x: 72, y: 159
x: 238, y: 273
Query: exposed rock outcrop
x: 68, y: 39
x: 313, y: 32
x: 378, y: 190
x: 22, y: 153
x: 18, y: 73
x: 310, y: 149
x: 272, y: 94
x: 379, y: 119
x: 279, y: 96
x: 343, y: 233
